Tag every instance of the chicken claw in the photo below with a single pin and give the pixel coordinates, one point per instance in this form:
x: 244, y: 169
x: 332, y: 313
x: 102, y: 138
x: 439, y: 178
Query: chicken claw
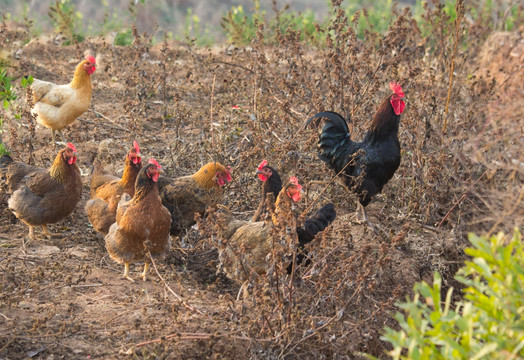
x: 126, y: 272
x: 31, y: 232
x: 55, y: 143
x: 144, y: 274
x: 46, y: 232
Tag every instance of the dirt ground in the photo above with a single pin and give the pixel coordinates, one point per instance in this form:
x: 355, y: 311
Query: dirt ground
x: 65, y: 298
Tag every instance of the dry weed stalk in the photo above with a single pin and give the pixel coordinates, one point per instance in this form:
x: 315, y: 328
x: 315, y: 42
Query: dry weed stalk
x: 459, y: 9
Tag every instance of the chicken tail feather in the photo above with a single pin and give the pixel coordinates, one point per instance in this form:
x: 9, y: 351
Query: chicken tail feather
x: 333, y: 137
x: 316, y: 223
x: 5, y: 161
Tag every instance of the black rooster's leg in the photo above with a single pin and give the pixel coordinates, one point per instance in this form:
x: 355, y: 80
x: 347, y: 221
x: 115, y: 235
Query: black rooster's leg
x: 362, y: 216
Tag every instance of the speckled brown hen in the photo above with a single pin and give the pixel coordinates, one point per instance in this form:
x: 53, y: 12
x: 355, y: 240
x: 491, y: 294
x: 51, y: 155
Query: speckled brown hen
x: 247, y: 244
x: 319, y: 221
x: 101, y: 208
x: 187, y: 195
x: 39, y: 196
x: 142, y: 223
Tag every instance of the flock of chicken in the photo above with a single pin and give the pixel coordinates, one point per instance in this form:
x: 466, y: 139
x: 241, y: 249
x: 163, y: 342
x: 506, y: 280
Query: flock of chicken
x: 168, y: 206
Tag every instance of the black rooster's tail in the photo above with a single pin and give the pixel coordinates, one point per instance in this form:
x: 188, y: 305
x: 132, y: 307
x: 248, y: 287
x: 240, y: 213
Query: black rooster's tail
x: 334, y: 135
x: 312, y: 226
x: 316, y: 223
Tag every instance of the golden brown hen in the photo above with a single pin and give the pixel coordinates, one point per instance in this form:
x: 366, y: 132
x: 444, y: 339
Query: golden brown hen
x: 142, y: 223
x: 101, y: 208
x: 39, y: 196
x: 187, y: 195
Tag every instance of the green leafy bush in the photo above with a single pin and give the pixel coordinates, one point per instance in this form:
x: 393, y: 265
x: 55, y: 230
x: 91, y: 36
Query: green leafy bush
x: 193, y: 30
x: 124, y: 38
x: 7, y: 96
x: 67, y: 21
x: 487, y: 324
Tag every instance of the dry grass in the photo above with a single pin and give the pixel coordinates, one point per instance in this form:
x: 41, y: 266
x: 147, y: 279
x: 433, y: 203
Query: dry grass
x: 177, y: 101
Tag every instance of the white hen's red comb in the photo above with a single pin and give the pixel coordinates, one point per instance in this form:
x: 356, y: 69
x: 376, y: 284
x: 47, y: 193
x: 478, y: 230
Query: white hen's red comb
x: 154, y: 162
x: 91, y: 59
x: 135, y: 145
x: 71, y: 146
x: 396, y: 88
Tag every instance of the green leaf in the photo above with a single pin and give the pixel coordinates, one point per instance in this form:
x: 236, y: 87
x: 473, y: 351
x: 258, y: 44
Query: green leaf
x: 485, y: 350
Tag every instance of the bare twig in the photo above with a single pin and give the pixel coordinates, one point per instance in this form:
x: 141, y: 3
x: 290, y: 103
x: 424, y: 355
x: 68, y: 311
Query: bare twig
x: 108, y: 119
x: 211, y: 110
x: 325, y: 188
x: 179, y: 298
x: 459, y: 7
x: 464, y: 195
x: 197, y: 336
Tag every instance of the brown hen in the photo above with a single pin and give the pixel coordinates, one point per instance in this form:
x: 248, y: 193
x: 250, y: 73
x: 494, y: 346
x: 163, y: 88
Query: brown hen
x: 39, y: 196
x: 142, y: 223
x: 101, y: 208
x: 187, y: 195
x: 247, y: 244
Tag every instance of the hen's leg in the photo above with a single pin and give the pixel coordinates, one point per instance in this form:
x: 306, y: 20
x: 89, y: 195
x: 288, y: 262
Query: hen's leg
x: 63, y: 142
x: 126, y: 272
x: 46, y: 231
x: 31, y: 232
x: 62, y: 136
x: 144, y: 274
x: 31, y: 236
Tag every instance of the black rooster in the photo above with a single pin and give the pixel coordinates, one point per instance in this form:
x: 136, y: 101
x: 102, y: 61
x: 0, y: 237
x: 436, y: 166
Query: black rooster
x: 366, y: 166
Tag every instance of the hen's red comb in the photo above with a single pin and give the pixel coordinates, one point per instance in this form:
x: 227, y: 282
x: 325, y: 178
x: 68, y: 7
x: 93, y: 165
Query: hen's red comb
x: 294, y: 181
x: 71, y: 146
x: 262, y: 165
x: 396, y: 88
x: 154, y: 162
x: 91, y: 59
x: 135, y: 145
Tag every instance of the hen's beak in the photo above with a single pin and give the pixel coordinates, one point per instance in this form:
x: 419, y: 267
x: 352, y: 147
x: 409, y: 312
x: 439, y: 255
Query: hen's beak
x: 263, y: 172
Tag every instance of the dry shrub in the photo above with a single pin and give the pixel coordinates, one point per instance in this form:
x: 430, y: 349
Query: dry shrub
x: 181, y: 103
